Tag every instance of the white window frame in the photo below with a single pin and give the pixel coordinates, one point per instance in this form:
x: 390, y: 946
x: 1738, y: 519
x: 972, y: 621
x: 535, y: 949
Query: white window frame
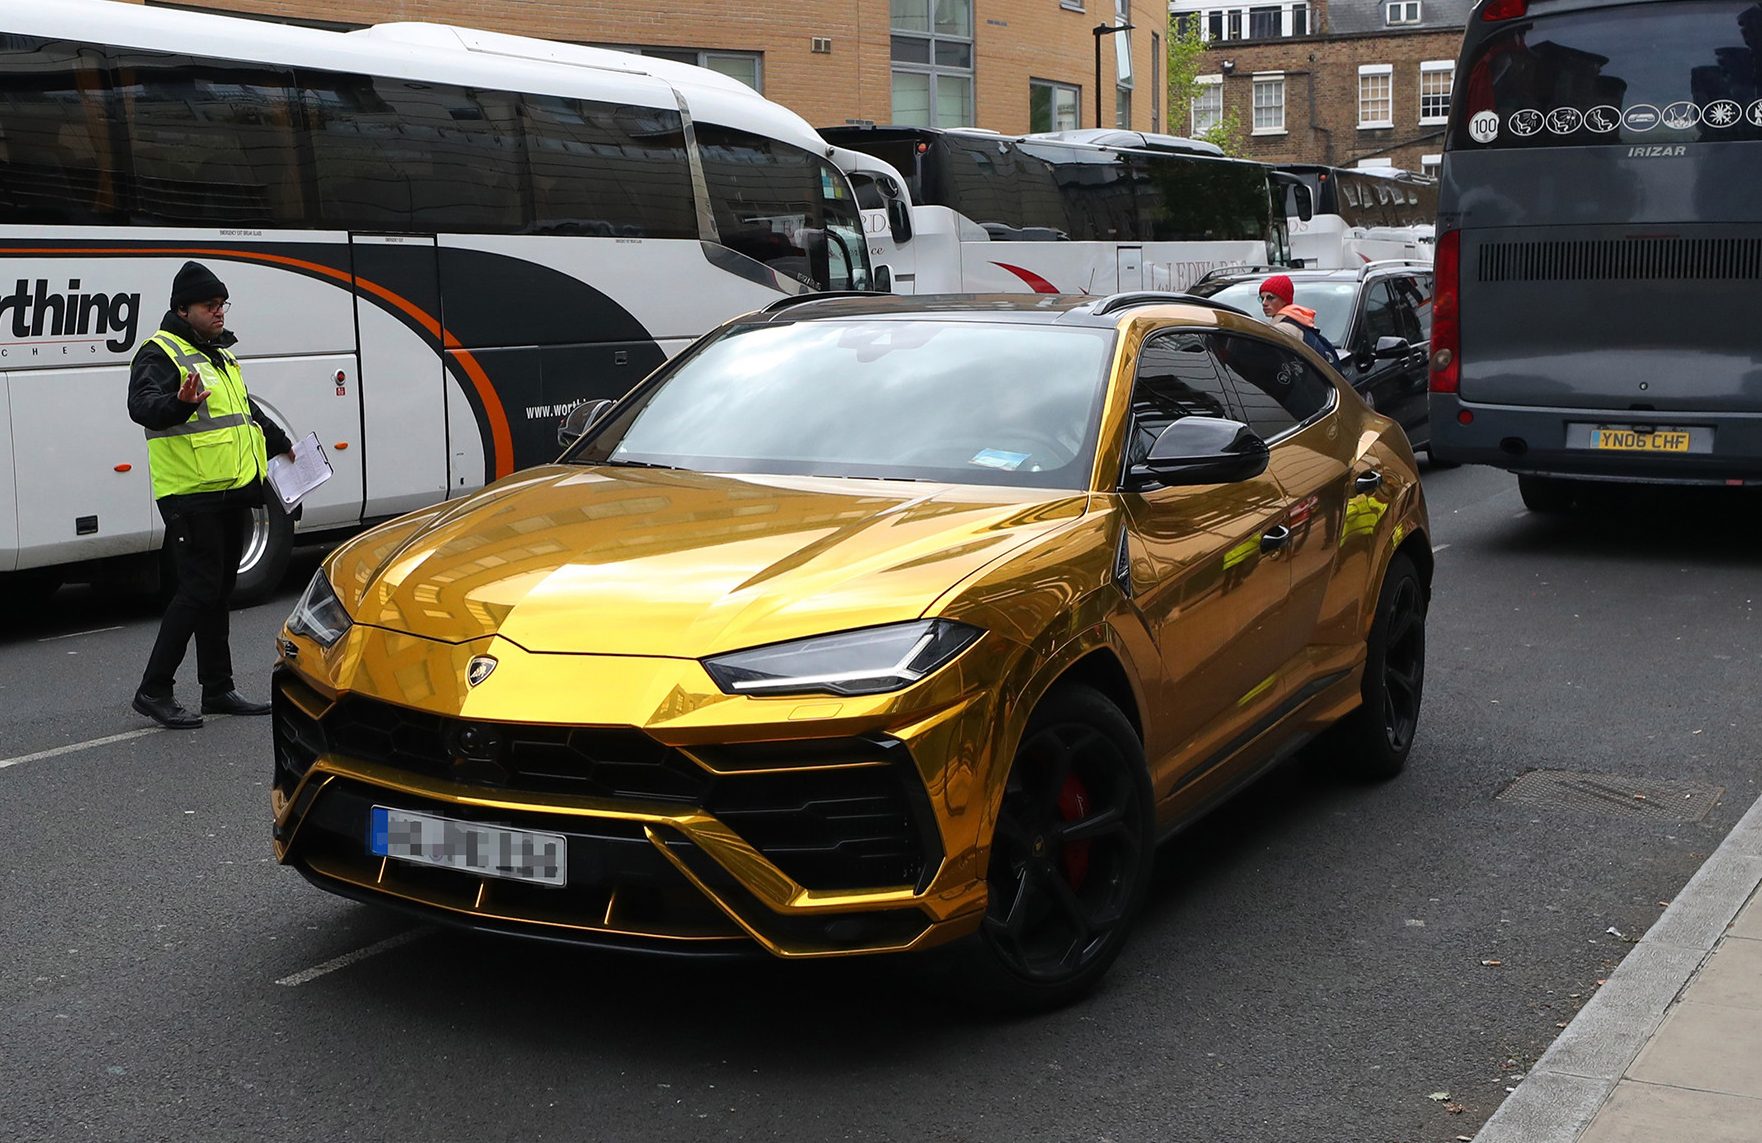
x: 1056, y: 89
x: 1401, y: 13
x: 1208, y: 83
x: 1387, y: 73
x: 1434, y: 67
x: 1266, y: 78
x: 1431, y: 164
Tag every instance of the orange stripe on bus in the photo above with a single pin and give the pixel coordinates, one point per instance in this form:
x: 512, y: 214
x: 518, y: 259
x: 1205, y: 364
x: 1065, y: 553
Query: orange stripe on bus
x: 501, y: 436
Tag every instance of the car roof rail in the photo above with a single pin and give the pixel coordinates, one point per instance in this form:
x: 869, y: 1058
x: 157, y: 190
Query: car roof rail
x: 819, y: 295
x: 1241, y: 268
x: 1130, y: 298
x: 1391, y: 264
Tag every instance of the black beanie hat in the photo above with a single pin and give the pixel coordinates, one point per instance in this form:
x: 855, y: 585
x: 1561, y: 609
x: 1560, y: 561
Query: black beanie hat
x: 195, y: 283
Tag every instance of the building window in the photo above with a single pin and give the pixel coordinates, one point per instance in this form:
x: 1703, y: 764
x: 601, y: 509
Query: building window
x: 932, y: 62
x: 1376, y: 96
x: 1435, y: 77
x: 1053, y: 106
x: 1400, y: 12
x: 1269, y: 104
x: 743, y: 66
x: 1122, y: 108
x: 1208, y: 103
x: 1214, y: 25
x: 1263, y: 23
x: 1430, y: 164
x: 1156, y: 64
x: 1187, y: 23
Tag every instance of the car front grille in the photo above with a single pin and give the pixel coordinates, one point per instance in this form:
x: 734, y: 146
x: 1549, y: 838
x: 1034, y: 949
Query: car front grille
x: 844, y: 813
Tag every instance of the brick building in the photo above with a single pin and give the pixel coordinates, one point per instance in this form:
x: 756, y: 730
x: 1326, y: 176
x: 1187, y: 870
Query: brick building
x: 1010, y: 65
x: 1343, y: 82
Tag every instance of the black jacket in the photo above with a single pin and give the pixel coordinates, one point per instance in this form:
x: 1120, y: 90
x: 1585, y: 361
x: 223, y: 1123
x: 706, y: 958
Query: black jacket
x: 153, y: 382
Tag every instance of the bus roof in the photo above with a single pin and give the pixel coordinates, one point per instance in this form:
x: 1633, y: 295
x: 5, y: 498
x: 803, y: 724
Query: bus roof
x: 420, y: 51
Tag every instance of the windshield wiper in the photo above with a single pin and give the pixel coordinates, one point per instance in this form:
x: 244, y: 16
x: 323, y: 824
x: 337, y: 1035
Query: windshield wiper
x: 639, y: 464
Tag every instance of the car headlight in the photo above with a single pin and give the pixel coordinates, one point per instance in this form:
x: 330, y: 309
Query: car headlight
x: 319, y: 615
x: 870, y: 661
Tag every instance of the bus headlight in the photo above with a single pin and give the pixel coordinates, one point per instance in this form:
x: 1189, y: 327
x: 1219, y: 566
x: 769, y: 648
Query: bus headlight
x: 319, y: 615
x: 870, y: 661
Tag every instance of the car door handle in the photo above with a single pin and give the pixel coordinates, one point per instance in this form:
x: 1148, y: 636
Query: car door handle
x: 1368, y: 481
x: 1274, y: 540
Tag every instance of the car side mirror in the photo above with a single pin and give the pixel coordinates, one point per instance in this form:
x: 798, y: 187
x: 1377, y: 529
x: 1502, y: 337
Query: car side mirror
x: 1206, y: 450
x: 1390, y: 347
x: 578, y: 420
x: 899, y: 220
x: 883, y: 280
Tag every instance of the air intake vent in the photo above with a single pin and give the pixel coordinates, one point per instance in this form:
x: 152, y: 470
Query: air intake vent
x: 1629, y: 259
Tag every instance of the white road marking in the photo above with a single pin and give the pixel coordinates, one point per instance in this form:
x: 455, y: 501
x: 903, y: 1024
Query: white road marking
x: 1436, y: 548
x: 77, y: 634
x: 348, y: 959
x: 76, y: 746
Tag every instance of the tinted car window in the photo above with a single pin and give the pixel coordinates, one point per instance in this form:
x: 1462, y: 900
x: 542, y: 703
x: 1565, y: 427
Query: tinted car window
x: 1416, y: 293
x: 1275, y: 389
x: 1380, y: 316
x: 1176, y: 378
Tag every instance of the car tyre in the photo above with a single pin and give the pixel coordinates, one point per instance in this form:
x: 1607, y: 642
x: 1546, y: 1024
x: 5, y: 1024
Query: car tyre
x: 1546, y: 494
x: 1433, y: 462
x: 1372, y: 742
x: 1070, y: 857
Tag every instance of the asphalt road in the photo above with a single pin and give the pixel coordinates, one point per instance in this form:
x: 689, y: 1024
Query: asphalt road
x: 1318, y: 961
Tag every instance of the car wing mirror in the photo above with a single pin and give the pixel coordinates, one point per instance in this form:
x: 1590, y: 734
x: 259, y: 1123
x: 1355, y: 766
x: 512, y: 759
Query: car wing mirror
x: 1206, y: 450
x: 1390, y: 347
x: 578, y: 420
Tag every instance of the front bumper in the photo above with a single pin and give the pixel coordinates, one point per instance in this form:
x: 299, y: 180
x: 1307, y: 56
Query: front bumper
x: 1533, y: 439
x: 756, y: 838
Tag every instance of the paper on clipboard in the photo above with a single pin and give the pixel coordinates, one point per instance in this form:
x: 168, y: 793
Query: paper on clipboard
x: 293, y: 479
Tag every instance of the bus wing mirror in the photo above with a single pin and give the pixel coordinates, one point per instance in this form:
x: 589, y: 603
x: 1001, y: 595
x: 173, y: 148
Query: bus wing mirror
x: 578, y: 420
x: 899, y: 220
x: 883, y: 280
x: 1303, y: 201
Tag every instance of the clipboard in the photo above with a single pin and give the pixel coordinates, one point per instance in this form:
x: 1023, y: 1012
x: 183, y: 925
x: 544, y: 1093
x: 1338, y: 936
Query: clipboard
x: 292, y: 479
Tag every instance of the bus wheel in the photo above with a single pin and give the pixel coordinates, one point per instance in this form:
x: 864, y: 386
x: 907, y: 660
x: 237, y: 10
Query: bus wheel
x: 269, y: 541
x: 1546, y: 494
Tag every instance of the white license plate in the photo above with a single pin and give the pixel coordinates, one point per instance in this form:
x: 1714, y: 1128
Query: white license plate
x: 490, y: 851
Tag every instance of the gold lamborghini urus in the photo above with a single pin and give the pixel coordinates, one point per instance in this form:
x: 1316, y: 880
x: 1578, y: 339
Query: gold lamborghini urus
x: 866, y: 625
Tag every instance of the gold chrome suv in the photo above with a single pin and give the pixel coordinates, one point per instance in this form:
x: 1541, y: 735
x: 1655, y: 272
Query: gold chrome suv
x: 864, y: 626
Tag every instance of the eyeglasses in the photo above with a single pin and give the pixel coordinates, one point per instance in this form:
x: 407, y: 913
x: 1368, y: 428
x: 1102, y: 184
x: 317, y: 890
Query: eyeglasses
x: 1271, y: 298
x: 215, y: 307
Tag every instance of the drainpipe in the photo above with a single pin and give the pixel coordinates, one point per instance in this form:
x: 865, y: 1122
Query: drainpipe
x: 1328, y: 149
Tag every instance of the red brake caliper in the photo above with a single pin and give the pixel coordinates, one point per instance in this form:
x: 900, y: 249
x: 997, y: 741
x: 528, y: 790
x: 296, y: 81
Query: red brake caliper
x: 1073, y: 805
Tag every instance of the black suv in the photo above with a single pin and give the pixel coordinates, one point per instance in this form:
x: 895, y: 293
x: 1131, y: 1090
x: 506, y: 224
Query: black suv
x: 1378, y: 316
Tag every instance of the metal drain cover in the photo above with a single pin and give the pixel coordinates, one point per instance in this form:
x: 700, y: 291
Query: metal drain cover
x: 1642, y: 798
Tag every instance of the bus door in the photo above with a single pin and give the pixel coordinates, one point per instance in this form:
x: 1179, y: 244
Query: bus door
x: 403, y: 383
x: 1131, y: 268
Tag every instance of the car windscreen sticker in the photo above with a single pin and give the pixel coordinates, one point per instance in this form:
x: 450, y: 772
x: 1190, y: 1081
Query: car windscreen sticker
x: 1603, y: 119
x: 1641, y: 117
x: 1525, y: 122
x: 1484, y: 127
x: 1754, y: 114
x: 1681, y: 115
x: 997, y: 458
x: 1721, y: 113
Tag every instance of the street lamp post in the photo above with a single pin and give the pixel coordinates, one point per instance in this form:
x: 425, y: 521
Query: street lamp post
x: 1101, y: 30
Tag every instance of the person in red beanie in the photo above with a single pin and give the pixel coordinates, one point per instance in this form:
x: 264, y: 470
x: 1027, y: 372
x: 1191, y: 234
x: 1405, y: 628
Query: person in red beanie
x: 1278, y: 303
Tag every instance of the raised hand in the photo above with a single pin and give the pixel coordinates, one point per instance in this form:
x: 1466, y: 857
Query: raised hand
x: 191, y: 391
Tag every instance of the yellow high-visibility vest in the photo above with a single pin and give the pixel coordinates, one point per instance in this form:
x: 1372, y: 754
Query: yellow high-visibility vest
x: 220, y: 446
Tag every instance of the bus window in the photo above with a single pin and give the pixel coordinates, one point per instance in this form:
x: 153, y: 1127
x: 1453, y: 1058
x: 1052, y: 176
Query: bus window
x: 770, y: 203
x: 57, y: 162
x: 211, y: 144
x: 603, y: 170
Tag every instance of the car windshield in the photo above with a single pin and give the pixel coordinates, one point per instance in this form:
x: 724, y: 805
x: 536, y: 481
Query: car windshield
x: 1331, y: 301
x: 968, y: 402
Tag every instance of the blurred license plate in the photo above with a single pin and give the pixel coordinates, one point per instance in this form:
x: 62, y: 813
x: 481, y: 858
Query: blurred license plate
x: 1640, y: 440
x: 490, y: 851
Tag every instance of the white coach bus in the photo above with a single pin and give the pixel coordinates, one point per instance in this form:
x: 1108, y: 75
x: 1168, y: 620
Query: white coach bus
x: 1075, y: 213
x: 1359, y: 215
x: 437, y: 241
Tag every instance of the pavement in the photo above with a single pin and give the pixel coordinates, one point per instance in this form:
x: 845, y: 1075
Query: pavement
x: 1669, y: 1050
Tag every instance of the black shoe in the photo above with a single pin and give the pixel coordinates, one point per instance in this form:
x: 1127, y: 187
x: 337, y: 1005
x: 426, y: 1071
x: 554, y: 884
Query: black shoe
x: 166, y: 712
x: 232, y: 702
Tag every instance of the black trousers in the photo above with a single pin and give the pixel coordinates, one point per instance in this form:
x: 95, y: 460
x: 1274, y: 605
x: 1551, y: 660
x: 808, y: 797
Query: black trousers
x: 205, y: 545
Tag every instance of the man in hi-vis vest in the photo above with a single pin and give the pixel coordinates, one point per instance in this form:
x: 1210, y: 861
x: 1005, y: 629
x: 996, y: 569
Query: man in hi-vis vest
x: 207, y: 448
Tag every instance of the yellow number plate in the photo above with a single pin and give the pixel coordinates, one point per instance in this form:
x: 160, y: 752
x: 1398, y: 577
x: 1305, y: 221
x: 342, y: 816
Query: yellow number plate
x: 1628, y: 440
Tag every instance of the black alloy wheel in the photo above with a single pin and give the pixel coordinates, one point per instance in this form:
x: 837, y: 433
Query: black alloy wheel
x: 1374, y: 740
x: 1070, y: 857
